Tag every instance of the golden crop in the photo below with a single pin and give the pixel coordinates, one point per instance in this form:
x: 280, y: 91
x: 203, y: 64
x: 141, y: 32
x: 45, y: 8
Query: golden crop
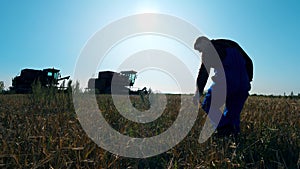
x: 43, y: 132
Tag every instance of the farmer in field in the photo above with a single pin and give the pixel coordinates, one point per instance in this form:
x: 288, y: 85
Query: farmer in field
x: 238, y: 72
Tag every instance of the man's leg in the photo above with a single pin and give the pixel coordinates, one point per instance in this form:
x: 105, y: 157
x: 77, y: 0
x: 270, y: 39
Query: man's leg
x: 213, y: 110
x: 233, y: 109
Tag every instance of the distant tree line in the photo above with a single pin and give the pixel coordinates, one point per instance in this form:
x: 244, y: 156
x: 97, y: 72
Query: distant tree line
x: 291, y: 95
x: 76, y: 88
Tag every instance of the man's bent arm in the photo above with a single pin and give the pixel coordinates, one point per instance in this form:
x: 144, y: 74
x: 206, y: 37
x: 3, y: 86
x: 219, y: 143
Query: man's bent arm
x: 202, y: 79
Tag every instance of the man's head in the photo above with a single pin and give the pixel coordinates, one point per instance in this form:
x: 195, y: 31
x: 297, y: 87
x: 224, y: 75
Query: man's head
x: 208, y: 52
x: 201, y: 43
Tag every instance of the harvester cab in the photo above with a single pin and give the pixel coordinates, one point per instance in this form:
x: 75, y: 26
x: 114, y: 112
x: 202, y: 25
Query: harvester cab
x: 131, y: 75
x: 51, y: 76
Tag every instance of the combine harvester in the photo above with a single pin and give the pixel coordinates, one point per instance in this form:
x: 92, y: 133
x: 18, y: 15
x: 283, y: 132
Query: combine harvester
x: 47, y: 77
x: 122, y: 83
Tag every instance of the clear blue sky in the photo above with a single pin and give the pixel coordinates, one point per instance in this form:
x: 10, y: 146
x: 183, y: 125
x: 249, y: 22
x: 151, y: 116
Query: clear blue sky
x: 41, y: 34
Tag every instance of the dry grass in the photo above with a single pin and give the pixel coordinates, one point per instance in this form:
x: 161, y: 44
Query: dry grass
x: 38, y: 132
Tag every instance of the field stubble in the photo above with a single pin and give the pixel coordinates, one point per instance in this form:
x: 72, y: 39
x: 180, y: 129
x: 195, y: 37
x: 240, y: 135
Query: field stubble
x: 44, y: 132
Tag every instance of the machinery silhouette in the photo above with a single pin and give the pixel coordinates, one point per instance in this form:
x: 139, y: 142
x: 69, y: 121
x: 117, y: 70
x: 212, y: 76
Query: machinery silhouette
x: 120, y: 83
x: 47, y: 77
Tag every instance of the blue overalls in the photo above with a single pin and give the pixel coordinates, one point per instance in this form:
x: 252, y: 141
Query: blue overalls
x: 238, y: 86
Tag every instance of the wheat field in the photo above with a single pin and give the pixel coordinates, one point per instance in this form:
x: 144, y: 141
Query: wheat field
x: 41, y: 130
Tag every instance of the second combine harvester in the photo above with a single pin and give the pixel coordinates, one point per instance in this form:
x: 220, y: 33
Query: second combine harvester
x: 119, y: 83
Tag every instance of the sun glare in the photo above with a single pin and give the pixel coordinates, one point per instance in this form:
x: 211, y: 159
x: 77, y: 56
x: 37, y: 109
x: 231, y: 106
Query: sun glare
x: 147, y: 7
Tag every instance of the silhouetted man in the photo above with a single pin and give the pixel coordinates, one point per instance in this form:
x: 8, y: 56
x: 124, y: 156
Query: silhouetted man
x: 237, y: 75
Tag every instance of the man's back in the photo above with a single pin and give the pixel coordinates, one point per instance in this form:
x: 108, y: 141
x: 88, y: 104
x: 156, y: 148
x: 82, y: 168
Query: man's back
x: 235, y: 71
x: 225, y: 47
